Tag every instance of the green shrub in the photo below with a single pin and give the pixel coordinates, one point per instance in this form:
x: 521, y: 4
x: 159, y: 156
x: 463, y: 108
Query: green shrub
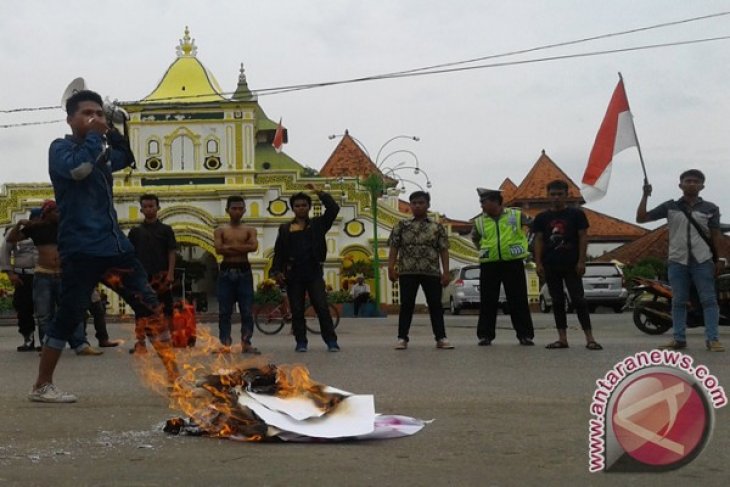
x: 340, y: 296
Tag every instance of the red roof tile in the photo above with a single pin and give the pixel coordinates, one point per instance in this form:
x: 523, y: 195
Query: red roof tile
x: 654, y: 244
x: 348, y: 160
x: 508, y: 189
x: 603, y: 228
x: 532, y: 188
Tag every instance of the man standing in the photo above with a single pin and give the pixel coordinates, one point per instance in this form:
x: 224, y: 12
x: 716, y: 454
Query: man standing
x: 299, y: 252
x: 234, y: 241
x: 416, y: 245
x: 47, y: 273
x: 360, y: 293
x: 502, y: 245
x: 561, y: 244
x: 18, y: 261
x: 155, y: 245
x: 92, y: 247
x: 694, y: 238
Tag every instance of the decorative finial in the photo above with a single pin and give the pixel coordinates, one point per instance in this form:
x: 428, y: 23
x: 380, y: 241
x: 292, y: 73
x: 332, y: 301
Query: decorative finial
x: 242, y: 75
x: 187, y: 45
x: 347, y: 132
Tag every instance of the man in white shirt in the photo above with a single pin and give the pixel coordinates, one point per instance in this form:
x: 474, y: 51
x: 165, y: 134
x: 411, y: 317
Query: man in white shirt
x: 360, y: 293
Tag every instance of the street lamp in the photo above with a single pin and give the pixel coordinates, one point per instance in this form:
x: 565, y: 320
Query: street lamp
x: 375, y: 184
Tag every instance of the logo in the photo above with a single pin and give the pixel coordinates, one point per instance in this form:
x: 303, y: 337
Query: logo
x: 654, y: 411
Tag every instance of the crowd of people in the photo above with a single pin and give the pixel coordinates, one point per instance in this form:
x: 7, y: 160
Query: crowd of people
x: 57, y: 258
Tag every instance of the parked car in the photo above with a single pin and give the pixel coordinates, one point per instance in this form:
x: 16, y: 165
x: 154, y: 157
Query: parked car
x: 603, y: 284
x: 463, y: 291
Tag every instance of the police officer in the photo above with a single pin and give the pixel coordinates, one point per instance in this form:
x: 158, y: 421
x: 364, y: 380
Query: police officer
x: 502, y: 245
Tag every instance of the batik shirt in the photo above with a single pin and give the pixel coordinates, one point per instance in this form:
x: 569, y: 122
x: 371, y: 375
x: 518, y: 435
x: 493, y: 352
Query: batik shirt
x: 419, y: 244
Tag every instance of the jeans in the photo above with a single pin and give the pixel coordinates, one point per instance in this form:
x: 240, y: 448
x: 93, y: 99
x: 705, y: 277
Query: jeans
x: 510, y: 273
x: 46, y: 295
x: 432, y: 289
x: 703, y: 277
x: 124, y: 274
x: 296, y: 288
x: 98, y: 314
x: 235, y: 286
x: 554, y: 278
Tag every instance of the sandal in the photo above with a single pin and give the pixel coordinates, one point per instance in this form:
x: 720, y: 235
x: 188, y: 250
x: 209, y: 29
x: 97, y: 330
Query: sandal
x: 593, y: 345
x: 557, y: 344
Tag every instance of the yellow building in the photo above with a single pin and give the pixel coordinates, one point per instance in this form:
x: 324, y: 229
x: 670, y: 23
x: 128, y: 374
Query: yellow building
x: 195, y: 146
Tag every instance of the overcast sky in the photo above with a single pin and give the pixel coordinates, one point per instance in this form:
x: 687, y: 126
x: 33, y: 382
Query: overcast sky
x: 476, y: 127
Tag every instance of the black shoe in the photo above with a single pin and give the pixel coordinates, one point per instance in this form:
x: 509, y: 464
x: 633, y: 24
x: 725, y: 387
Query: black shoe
x: 28, y: 345
x: 333, y: 347
x: 484, y: 342
x: 527, y: 342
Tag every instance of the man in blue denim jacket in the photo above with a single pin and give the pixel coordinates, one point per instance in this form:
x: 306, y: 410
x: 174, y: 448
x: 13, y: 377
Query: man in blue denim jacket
x: 91, y: 244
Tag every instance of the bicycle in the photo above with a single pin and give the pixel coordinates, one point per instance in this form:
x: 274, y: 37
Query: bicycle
x: 271, y: 319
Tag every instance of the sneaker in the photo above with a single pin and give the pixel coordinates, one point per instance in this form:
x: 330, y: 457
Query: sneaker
x: 109, y: 343
x: 301, y: 347
x: 139, y: 348
x: 444, y: 344
x: 673, y: 345
x: 484, y: 342
x: 89, y: 351
x: 248, y: 348
x: 714, y: 346
x: 333, y: 347
x: 49, y: 393
x: 401, y: 345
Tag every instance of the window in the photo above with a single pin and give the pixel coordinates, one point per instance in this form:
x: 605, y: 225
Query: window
x: 212, y: 146
x: 153, y: 147
x: 183, y: 155
x: 609, y: 270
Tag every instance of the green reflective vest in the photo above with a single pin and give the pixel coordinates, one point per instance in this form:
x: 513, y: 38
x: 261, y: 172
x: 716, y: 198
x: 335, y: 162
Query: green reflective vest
x: 502, y: 239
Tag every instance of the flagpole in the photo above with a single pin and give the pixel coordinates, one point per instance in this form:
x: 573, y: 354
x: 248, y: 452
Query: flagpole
x: 636, y: 137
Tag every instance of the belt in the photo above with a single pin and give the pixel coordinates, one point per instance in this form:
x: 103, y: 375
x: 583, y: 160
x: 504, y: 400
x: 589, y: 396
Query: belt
x: 19, y: 270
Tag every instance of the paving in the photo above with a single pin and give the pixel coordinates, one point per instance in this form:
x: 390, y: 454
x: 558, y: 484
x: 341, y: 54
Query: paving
x: 503, y: 415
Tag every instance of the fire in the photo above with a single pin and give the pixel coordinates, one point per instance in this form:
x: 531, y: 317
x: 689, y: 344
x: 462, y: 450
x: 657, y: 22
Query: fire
x: 207, y: 389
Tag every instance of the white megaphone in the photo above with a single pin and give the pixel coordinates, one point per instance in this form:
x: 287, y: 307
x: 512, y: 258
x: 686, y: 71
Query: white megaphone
x: 73, y: 87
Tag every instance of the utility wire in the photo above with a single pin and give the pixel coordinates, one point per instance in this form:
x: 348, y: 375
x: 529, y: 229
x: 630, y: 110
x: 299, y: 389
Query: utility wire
x: 434, y: 69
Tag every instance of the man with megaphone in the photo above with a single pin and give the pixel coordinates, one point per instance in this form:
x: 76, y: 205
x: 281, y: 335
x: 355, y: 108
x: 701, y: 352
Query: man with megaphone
x: 91, y: 245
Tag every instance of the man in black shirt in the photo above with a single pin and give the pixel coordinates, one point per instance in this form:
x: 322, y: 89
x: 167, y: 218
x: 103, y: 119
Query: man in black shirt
x: 299, y: 252
x: 561, y: 243
x: 155, y: 245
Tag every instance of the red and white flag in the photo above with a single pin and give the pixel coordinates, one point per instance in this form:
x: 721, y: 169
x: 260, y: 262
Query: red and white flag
x: 616, y: 134
x: 278, y: 138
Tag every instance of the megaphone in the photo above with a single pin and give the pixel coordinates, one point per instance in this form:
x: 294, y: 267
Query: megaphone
x: 73, y: 87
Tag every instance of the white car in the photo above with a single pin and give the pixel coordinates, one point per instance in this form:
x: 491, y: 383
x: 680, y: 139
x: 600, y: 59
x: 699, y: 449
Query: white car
x: 603, y: 284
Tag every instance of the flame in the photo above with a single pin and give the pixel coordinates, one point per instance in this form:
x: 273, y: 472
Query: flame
x: 207, y: 388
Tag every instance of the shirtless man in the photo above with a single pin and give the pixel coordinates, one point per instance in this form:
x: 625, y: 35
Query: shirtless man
x: 47, y: 273
x: 234, y: 241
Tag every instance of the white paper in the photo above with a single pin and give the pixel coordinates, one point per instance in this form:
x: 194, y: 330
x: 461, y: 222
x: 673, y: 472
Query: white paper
x: 354, y: 416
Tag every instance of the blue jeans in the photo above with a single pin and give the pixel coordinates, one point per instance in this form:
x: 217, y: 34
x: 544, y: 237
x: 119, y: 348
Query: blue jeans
x: 235, y: 286
x: 46, y: 295
x: 124, y: 274
x: 703, y: 277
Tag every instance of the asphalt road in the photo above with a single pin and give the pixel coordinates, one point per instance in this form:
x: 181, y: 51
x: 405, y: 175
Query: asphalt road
x: 503, y: 415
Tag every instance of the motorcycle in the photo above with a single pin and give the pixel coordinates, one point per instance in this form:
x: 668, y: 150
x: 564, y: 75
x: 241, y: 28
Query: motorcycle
x: 652, y: 303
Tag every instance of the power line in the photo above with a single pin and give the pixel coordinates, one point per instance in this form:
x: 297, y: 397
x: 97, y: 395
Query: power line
x: 428, y: 70
x: 24, y: 124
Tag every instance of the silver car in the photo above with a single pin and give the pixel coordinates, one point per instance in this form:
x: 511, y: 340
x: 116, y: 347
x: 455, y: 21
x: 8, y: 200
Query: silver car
x: 603, y: 284
x: 463, y: 290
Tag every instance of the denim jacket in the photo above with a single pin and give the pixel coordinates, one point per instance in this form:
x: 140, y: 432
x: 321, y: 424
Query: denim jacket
x: 82, y: 182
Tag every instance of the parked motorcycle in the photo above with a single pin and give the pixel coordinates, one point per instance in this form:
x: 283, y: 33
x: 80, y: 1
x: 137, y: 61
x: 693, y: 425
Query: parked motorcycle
x: 652, y: 303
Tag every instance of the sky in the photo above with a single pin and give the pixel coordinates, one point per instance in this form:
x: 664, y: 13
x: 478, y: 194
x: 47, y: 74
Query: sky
x: 476, y: 127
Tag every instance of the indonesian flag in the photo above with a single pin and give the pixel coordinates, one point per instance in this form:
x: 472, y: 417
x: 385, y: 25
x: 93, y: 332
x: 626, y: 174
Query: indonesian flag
x: 616, y: 134
x: 278, y: 138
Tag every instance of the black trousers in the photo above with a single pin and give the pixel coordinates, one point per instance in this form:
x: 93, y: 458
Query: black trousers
x: 98, y: 314
x: 315, y: 287
x: 23, y: 304
x: 432, y: 289
x: 511, y: 274
x: 554, y: 278
x: 359, y: 300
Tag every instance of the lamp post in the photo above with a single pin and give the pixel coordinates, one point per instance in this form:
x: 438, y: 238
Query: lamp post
x: 375, y: 184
